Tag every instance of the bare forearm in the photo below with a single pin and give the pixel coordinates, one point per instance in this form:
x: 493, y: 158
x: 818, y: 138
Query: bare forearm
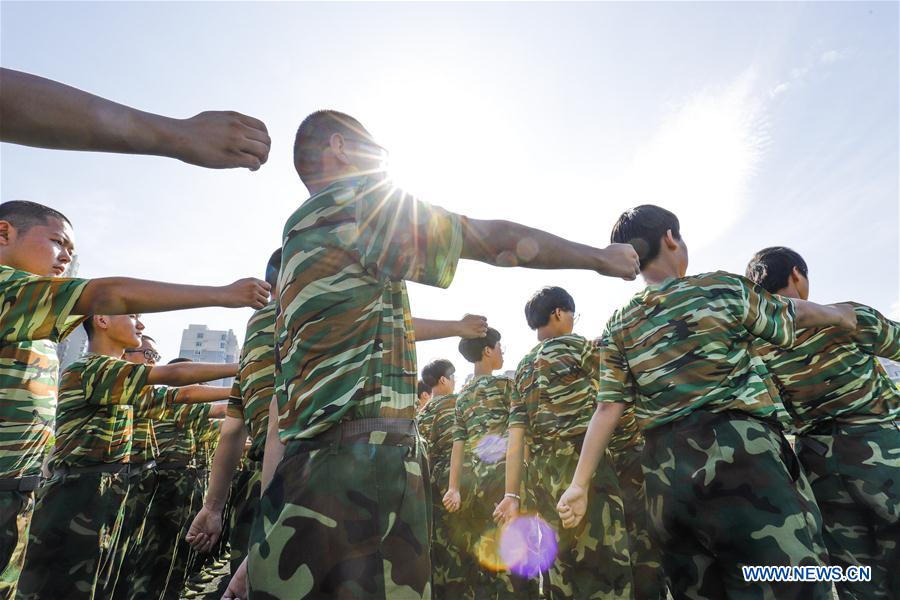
x: 201, y: 394
x: 40, y: 112
x: 508, y: 244
x: 274, y: 448
x: 123, y: 295
x: 515, y: 455
x: 810, y: 314
x: 432, y: 329
x: 225, y: 461
x: 456, y: 459
x: 599, y: 432
x: 187, y: 373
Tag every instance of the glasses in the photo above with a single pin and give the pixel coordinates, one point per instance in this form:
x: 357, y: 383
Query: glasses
x: 575, y: 317
x: 151, y: 355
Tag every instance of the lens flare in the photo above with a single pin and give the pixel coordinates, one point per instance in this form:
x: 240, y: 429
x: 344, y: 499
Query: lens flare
x: 528, y: 546
x: 491, y: 448
x: 487, y: 550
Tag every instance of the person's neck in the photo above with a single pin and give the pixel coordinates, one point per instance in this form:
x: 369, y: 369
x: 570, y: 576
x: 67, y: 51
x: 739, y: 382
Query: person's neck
x: 317, y: 185
x: 482, y: 368
x: 658, y: 272
x: 545, y: 333
x: 106, y: 346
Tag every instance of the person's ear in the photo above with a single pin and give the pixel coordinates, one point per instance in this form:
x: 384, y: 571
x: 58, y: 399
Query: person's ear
x: 338, y: 146
x: 670, y: 241
x: 101, y: 321
x: 7, y: 233
x: 796, y: 275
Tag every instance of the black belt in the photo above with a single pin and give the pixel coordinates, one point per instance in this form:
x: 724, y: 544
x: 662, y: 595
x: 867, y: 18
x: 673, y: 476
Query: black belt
x: 28, y: 483
x: 115, y: 468
x: 701, y: 418
x: 544, y: 445
x: 173, y: 465
x: 398, y: 432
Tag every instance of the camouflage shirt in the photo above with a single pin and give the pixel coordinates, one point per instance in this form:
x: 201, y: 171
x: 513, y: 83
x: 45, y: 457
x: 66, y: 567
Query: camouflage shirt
x: 175, y: 431
x: 831, y: 374
x: 435, y: 423
x: 557, y: 385
x: 344, y: 336
x: 207, y: 432
x: 482, y: 412
x: 98, y: 397
x: 254, y: 386
x: 686, y: 344
x: 35, y: 314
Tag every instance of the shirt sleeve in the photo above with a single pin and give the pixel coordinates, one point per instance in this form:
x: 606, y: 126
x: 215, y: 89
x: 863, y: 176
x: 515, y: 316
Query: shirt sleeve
x: 526, y: 388
x: 39, y: 308
x: 459, y: 424
x: 767, y: 316
x: 615, y: 378
x: 876, y: 334
x: 401, y: 238
x: 235, y: 406
x: 110, y: 381
x: 156, y: 401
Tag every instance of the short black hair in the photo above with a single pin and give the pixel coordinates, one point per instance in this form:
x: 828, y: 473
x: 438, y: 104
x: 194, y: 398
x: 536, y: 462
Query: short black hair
x: 547, y: 299
x: 273, y: 267
x: 89, y: 326
x: 771, y: 267
x: 421, y: 388
x: 644, y: 227
x: 180, y: 359
x: 24, y: 214
x: 472, y: 349
x: 314, y: 134
x: 436, y: 369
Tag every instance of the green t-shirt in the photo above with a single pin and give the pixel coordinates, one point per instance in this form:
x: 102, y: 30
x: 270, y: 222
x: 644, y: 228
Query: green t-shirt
x: 98, y: 398
x: 175, y: 432
x: 831, y: 374
x: 255, y: 384
x: 435, y: 424
x: 36, y: 313
x: 344, y: 335
x: 686, y: 344
x: 482, y: 416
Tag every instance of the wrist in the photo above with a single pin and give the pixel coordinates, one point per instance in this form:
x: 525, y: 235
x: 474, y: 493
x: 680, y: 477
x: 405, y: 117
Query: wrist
x: 600, y: 261
x: 162, y: 135
x: 513, y: 496
x: 214, y: 506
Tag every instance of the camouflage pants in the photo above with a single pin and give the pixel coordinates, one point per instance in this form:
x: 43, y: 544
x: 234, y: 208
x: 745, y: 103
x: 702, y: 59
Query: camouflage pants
x: 593, y: 559
x: 133, y: 579
x: 854, y: 471
x: 72, y: 548
x: 15, y: 516
x: 162, y: 557
x: 453, y: 570
x: 646, y: 561
x: 245, y: 505
x: 344, y: 519
x: 725, y: 490
x: 483, y: 485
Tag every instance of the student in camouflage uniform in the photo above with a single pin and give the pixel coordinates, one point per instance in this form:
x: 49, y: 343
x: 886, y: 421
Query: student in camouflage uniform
x: 478, y: 465
x: 451, y: 565
x: 142, y: 529
x: 38, y: 308
x: 557, y: 387
x: 248, y: 414
x: 724, y: 488
x: 423, y: 393
x: 845, y: 413
x: 345, y: 380
x: 82, y: 507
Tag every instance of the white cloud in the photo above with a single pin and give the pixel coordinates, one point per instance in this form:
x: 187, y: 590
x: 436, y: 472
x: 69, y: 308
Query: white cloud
x: 831, y: 56
x: 779, y: 89
x: 895, y: 311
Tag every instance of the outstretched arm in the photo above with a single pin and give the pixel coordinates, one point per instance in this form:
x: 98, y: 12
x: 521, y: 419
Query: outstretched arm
x: 40, y: 112
x: 470, y: 326
x: 186, y: 373
x: 123, y: 295
x: 507, y: 244
x: 201, y: 394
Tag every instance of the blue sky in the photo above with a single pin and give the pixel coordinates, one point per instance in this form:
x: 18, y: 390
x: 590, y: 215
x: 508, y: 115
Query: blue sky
x: 757, y: 123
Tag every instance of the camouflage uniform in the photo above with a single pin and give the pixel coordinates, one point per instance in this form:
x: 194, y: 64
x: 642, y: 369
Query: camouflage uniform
x: 451, y: 566
x: 82, y: 508
x: 35, y: 314
x: 482, y: 415
x: 557, y: 386
x: 250, y: 397
x: 626, y: 447
x: 346, y: 352
x: 724, y: 488
x: 845, y: 412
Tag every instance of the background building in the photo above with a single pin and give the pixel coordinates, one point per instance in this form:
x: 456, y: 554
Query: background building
x: 202, y: 344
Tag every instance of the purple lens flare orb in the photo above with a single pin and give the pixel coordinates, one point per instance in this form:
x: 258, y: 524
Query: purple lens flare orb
x: 491, y: 448
x: 528, y: 545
